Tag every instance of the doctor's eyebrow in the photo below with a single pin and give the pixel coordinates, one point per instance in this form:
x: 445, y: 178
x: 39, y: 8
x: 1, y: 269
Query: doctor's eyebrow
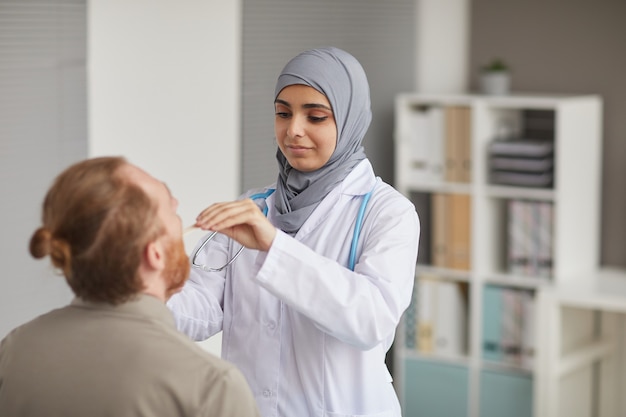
x: 304, y: 106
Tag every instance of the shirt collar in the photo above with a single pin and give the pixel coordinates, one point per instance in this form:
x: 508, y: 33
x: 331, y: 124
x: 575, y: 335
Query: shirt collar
x: 143, y: 305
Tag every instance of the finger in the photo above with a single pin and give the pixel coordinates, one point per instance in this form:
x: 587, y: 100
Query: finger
x: 221, y: 215
x: 207, y: 215
x: 235, y: 215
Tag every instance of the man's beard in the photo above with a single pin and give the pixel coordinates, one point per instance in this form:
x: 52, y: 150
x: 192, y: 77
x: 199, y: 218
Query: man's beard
x: 177, y: 267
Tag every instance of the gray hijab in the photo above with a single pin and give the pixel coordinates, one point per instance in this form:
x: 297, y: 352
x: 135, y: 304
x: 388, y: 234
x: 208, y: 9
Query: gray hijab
x: 340, y: 77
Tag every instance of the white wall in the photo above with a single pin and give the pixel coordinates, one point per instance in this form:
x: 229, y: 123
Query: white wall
x: 164, y: 91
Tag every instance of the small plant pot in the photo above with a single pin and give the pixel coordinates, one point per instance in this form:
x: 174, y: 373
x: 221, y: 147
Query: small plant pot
x: 496, y: 83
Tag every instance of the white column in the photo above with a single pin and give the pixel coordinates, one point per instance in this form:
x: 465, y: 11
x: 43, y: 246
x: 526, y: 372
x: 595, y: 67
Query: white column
x: 442, y: 46
x: 164, y: 91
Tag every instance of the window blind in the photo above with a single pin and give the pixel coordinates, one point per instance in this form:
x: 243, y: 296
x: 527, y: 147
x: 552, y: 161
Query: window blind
x: 43, y: 127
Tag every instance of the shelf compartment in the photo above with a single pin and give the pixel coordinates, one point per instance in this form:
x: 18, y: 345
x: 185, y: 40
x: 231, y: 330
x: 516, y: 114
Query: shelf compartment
x: 436, y: 322
x: 445, y: 235
x: 508, y: 326
x: 518, y: 241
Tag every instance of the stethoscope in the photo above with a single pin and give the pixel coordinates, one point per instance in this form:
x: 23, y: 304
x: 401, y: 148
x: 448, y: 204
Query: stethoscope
x: 264, y: 196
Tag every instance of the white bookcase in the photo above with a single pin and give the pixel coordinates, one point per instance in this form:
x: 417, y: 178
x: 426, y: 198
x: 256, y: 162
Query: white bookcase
x: 467, y: 383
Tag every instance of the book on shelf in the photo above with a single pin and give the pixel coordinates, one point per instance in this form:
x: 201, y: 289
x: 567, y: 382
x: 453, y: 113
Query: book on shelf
x: 516, y: 233
x: 508, y: 326
x: 529, y: 238
x: 545, y: 233
x: 511, y: 323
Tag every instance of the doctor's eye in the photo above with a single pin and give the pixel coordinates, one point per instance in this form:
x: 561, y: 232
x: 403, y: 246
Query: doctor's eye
x: 318, y: 119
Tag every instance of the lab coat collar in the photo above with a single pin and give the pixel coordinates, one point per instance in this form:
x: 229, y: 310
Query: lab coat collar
x: 360, y: 181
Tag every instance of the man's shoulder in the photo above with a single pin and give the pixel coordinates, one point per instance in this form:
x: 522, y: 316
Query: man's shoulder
x: 196, y: 355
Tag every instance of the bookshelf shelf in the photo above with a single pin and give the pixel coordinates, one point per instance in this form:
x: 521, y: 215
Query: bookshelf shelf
x: 491, y: 244
x: 444, y: 273
x: 517, y: 281
x: 518, y: 192
x: 462, y: 360
x: 497, y: 366
x: 448, y: 187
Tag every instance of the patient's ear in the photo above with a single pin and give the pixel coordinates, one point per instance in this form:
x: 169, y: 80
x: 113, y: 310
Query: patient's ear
x: 154, y: 255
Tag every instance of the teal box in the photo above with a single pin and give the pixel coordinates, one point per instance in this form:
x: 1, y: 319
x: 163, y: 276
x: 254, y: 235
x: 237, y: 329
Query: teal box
x: 433, y: 389
x: 505, y: 394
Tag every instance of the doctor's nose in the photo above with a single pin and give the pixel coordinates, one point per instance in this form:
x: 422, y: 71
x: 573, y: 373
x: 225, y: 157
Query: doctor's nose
x: 296, y: 127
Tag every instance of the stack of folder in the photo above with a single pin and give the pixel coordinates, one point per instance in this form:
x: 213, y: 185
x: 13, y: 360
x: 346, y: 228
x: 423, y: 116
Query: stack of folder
x: 522, y: 162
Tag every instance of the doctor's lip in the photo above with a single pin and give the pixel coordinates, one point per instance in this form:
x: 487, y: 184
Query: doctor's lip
x: 297, y: 147
x: 298, y: 151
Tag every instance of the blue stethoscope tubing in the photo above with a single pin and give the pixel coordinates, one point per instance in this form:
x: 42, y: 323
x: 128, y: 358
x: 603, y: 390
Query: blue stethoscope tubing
x: 353, y: 245
x: 357, y: 230
x: 357, y: 227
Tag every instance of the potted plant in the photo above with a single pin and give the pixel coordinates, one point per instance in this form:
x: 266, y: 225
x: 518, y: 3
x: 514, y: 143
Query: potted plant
x: 495, y: 78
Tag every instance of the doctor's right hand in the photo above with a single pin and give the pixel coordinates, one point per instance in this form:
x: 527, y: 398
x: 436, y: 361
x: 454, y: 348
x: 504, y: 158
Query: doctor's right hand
x: 241, y: 220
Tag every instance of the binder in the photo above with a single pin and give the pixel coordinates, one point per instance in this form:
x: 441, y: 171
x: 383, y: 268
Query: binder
x: 426, y: 143
x: 492, y: 332
x: 457, y: 143
x: 439, y: 216
x: 449, y: 323
x: 459, y: 229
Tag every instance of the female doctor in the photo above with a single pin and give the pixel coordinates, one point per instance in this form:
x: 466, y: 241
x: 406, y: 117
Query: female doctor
x: 310, y: 307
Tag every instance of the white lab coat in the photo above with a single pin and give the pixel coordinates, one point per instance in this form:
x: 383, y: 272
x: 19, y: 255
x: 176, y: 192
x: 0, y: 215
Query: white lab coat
x: 309, y: 334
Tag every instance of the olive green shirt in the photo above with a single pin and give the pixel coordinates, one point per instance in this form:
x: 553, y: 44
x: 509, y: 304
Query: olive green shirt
x: 129, y: 360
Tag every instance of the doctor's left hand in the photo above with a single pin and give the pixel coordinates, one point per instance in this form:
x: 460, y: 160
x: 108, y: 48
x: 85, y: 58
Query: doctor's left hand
x: 240, y: 220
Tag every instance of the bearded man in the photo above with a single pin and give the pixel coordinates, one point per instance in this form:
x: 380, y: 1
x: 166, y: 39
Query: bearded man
x: 112, y: 230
